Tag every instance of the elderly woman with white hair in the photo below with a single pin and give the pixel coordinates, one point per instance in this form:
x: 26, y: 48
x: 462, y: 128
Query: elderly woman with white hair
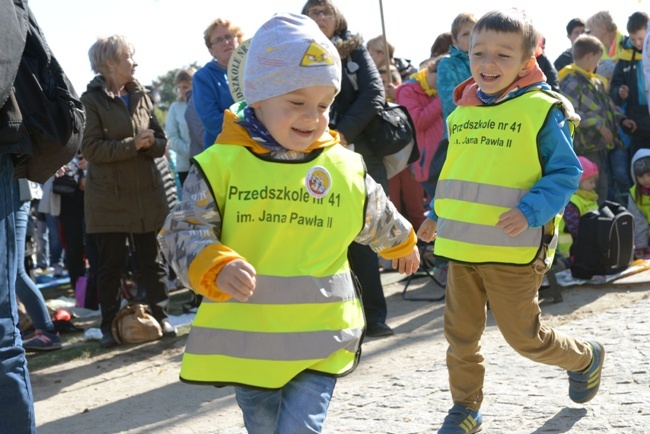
x: 125, y: 194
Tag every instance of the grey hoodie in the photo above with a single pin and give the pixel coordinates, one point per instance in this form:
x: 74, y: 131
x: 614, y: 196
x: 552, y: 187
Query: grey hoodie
x: 642, y: 228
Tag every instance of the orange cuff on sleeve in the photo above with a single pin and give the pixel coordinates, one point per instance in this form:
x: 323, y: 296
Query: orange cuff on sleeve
x: 401, y: 250
x: 206, y: 266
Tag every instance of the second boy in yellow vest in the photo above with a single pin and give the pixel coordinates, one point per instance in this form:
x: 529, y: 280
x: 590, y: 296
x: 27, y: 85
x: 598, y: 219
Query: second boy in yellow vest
x: 510, y: 169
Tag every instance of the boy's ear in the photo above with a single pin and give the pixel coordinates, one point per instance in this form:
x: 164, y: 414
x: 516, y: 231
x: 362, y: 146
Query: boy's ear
x: 528, y: 66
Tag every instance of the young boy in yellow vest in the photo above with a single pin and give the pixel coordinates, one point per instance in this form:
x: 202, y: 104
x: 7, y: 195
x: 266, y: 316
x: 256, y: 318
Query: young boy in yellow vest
x: 510, y: 169
x: 262, y: 233
x: 583, y: 200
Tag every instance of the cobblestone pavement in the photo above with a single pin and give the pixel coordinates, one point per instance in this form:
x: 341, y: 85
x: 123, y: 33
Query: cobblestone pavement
x: 399, y: 387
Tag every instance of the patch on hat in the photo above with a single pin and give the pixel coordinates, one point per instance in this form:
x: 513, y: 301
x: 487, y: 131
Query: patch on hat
x: 316, y: 55
x: 318, y: 182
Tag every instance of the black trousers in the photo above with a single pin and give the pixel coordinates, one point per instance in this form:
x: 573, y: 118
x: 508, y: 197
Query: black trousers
x: 146, y: 258
x: 74, y: 227
x: 365, y: 265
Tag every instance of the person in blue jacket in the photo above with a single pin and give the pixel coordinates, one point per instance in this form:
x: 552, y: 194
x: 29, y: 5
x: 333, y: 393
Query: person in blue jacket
x: 210, y: 92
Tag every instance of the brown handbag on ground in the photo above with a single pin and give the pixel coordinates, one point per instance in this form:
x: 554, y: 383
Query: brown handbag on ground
x: 133, y: 325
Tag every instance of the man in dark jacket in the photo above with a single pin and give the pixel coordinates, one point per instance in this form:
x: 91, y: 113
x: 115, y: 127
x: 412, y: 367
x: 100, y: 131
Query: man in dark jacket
x: 16, y: 400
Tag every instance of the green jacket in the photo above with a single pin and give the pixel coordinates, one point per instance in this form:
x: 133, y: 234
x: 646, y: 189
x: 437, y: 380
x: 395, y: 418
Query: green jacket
x: 124, y: 187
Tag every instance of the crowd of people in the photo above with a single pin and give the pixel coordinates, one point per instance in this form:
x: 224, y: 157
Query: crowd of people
x: 296, y: 314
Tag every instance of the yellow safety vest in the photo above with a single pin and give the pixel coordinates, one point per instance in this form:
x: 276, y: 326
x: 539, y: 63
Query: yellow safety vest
x: 293, y: 221
x: 566, y: 240
x: 492, y: 161
x: 644, y: 206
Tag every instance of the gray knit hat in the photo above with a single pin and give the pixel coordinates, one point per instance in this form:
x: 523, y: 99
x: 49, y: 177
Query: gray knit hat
x: 289, y: 52
x: 641, y: 166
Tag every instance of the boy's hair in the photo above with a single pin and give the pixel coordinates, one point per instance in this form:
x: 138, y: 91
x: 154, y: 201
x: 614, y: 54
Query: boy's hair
x: 441, y: 45
x: 287, y: 53
x: 601, y: 20
x: 341, y: 25
x: 378, y: 44
x: 637, y: 21
x: 587, y: 44
x: 460, y: 20
x: 207, y: 34
x: 575, y: 22
x: 510, y: 21
x: 394, y: 73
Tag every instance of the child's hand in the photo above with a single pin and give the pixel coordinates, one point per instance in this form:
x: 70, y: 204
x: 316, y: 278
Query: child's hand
x: 237, y: 279
x: 427, y: 231
x: 623, y: 91
x: 408, y: 264
x: 629, y: 125
x: 513, y: 222
x: 607, y: 134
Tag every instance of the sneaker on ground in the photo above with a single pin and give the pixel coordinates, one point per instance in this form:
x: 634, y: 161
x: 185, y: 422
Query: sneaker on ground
x: 584, y: 385
x: 168, y: 329
x: 43, y: 341
x: 461, y: 420
x: 58, y: 271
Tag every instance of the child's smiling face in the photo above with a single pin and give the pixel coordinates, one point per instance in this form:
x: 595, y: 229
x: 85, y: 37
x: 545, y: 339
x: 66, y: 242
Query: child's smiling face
x: 299, y: 118
x: 497, y: 60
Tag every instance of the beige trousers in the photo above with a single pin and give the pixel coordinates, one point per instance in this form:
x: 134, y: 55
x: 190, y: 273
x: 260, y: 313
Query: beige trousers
x: 512, y: 293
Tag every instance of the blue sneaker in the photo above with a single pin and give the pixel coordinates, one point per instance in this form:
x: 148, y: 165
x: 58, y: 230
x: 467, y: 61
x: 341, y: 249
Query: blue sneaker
x: 461, y: 420
x: 584, y: 385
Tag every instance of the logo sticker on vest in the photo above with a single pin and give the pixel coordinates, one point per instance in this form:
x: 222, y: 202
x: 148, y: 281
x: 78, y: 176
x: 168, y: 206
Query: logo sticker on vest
x: 318, y: 182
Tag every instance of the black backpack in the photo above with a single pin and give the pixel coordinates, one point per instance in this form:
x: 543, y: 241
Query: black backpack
x: 51, y: 111
x: 605, y: 243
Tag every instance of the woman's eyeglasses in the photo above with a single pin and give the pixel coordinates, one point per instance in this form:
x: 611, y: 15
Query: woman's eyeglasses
x: 228, y: 37
x: 316, y: 13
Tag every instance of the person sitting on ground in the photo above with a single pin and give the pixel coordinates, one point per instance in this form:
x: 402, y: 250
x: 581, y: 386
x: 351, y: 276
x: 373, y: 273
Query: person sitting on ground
x: 233, y: 249
x: 583, y: 200
x: 639, y: 202
x: 496, y: 211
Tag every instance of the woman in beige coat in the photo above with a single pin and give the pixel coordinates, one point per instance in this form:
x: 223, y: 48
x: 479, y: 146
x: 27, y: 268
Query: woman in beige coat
x: 125, y: 195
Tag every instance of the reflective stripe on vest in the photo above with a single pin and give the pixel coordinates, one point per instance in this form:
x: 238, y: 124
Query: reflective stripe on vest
x: 492, y: 162
x: 566, y: 240
x: 304, y: 313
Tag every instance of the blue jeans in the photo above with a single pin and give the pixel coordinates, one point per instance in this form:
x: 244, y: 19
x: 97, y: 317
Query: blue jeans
x: 298, y: 407
x: 16, y: 400
x: 26, y: 289
x: 619, y: 175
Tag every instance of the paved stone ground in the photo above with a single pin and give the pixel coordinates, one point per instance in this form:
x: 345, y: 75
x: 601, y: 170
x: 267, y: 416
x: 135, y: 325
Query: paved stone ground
x: 400, y: 386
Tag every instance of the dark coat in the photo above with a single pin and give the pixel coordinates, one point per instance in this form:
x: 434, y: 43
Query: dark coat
x: 625, y: 73
x: 353, y: 110
x: 14, y: 138
x: 125, y: 191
